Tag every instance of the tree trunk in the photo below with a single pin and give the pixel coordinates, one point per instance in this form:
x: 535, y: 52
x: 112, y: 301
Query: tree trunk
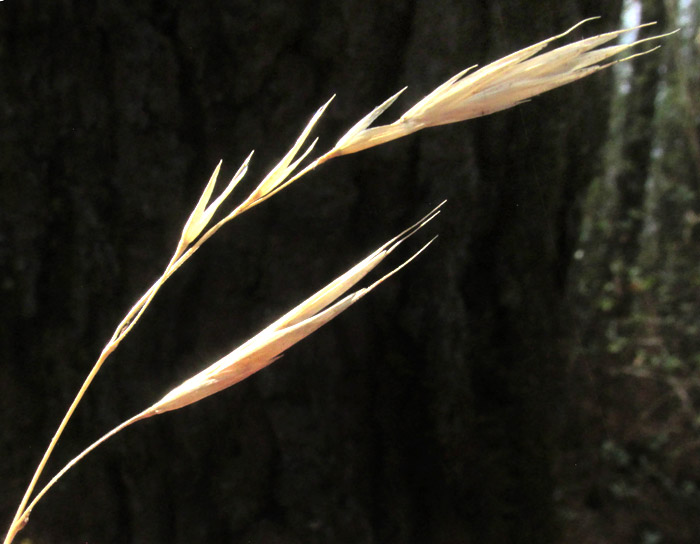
x: 636, y: 111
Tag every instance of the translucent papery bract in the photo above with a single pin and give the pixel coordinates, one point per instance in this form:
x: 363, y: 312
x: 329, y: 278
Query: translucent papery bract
x: 277, y: 176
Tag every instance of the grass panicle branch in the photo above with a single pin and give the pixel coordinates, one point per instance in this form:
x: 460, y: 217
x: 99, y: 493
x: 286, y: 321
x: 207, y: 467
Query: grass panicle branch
x: 500, y: 85
x: 268, y: 345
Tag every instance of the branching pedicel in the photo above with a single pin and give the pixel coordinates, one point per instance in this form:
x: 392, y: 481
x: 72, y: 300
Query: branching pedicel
x: 497, y: 86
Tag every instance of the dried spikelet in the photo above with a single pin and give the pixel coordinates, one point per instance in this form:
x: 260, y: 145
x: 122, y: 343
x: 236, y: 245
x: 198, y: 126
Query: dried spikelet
x: 361, y: 126
x: 502, y: 84
x: 278, y: 177
x: 268, y: 345
x: 201, y: 215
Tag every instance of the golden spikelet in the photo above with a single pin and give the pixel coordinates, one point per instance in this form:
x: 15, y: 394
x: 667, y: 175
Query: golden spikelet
x: 500, y: 85
x: 266, y: 346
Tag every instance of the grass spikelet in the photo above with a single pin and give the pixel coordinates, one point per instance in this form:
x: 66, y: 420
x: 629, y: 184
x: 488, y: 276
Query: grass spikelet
x: 278, y: 177
x: 201, y: 215
x: 307, y: 317
x: 500, y: 85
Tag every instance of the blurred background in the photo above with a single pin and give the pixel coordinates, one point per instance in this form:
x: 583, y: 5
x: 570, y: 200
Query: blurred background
x: 533, y: 378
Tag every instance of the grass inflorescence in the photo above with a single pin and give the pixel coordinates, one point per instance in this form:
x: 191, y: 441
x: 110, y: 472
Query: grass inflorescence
x: 471, y: 93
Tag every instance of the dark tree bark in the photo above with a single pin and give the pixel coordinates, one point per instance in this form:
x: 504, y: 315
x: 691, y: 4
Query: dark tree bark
x: 428, y: 413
